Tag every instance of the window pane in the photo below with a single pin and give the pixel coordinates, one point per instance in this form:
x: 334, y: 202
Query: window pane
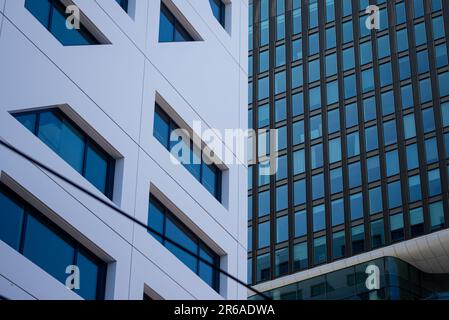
x: 300, y: 224
x: 177, y: 235
x: 263, y: 268
x: 358, y: 239
x: 60, y: 136
x: 319, y: 250
x: 377, y: 234
x: 338, y: 245
x: 436, y: 215
x: 397, y: 227
x: 88, y: 277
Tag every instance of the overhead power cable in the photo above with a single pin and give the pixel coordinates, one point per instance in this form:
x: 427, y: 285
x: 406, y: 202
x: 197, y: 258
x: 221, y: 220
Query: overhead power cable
x: 130, y: 217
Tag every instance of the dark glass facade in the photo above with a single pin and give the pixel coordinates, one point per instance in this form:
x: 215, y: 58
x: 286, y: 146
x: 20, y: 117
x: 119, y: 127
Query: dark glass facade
x: 363, y: 126
x: 398, y: 280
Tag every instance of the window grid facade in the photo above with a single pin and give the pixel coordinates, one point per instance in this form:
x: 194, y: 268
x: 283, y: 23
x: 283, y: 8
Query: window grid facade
x: 338, y: 90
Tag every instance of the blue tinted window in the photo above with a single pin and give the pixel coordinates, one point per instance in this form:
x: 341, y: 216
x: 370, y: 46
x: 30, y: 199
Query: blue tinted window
x: 347, y: 31
x: 428, y: 120
x: 392, y: 162
x: 434, y: 182
x: 404, y: 68
x: 355, y: 175
x: 371, y: 139
x: 412, y: 156
x: 333, y: 121
x: 402, y: 40
x: 123, y: 4
x: 338, y: 212
x: 264, y: 203
x: 335, y: 150
x: 431, y: 149
x: 88, y: 282
x: 352, y: 118
x: 407, y: 96
x: 390, y: 136
x: 316, y: 155
x: 397, y: 227
x: 383, y: 46
x: 377, y: 234
x: 336, y: 179
x: 51, y: 14
x: 281, y: 229
x: 218, y: 9
x: 375, y: 200
x: 63, y: 138
x: 394, y: 195
x: 356, y: 206
x: 367, y: 80
x: 438, y: 27
x: 209, y: 175
x: 11, y: 220
x: 96, y: 168
x: 436, y: 215
x: 414, y: 188
x: 416, y: 222
x: 299, y: 192
x: 366, y: 55
x: 160, y: 217
x: 425, y: 90
x: 353, y: 144
x: 263, y: 235
x: 373, y: 168
x: 319, y: 218
x: 171, y: 30
x: 423, y: 61
x: 348, y: 59
x: 338, y: 245
x: 42, y: 245
x: 72, y: 145
x: 317, y: 186
x: 314, y: 43
x: 300, y: 224
x: 319, y: 250
x: 358, y: 239
x: 281, y: 198
x: 369, y: 109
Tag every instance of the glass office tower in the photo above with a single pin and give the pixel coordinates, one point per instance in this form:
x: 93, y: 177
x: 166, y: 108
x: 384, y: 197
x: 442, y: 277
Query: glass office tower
x: 362, y: 112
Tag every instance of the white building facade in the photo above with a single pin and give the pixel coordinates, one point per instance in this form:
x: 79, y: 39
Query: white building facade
x: 106, y: 92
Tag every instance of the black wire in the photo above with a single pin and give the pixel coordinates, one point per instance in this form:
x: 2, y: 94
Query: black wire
x: 113, y: 207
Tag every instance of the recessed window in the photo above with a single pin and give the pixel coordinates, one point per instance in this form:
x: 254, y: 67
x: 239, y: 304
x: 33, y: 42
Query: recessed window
x: 34, y: 236
x: 52, y: 15
x: 208, y: 174
x: 160, y: 219
x: 123, y: 4
x: 65, y: 138
x: 219, y: 11
x: 170, y: 28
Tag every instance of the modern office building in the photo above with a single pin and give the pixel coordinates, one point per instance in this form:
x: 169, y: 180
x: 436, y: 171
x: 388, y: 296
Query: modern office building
x: 94, y: 90
x: 359, y: 207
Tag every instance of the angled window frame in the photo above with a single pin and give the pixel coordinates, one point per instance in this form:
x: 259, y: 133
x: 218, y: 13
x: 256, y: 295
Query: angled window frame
x: 88, y: 30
